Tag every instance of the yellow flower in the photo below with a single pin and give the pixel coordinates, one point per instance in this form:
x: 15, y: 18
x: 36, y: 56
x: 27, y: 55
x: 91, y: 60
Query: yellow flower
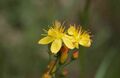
x: 56, y: 35
x: 79, y: 36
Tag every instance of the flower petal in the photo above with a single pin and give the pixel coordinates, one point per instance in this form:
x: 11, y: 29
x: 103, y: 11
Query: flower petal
x: 85, y: 42
x: 85, y: 39
x: 45, y: 40
x: 71, y: 30
x: 77, y: 45
x: 68, y: 42
x: 56, y: 45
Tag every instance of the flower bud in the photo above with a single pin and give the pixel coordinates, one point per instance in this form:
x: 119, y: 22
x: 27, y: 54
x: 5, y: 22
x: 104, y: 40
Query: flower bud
x: 64, y: 54
x: 63, y: 58
x: 64, y: 49
x: 75, y: 55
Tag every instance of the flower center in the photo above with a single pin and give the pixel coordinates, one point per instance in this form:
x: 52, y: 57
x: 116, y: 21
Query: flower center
x: 56, y: 32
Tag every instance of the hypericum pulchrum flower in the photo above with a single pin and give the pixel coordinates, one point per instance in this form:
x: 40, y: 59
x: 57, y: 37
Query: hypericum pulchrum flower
x: 56, y: 35
x: 79, y: 36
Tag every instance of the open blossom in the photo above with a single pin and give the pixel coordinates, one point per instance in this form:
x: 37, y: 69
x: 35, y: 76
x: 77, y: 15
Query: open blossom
x: 79, y: 36
x: 56, y: 36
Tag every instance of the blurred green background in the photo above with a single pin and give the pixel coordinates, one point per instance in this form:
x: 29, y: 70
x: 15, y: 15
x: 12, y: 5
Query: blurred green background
x: 23, y: 21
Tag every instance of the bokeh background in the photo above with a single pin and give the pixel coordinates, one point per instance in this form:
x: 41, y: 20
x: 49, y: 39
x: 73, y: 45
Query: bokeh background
x: 23, y: 21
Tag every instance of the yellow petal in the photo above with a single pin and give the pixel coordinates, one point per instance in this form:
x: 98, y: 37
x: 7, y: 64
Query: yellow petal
x: 85, y: 39
x: 71, y: 30
x: 45, y: 40
x: 56, y: 45
x: 68, y: 42
x: 85, y: 42
x: 77, y: 45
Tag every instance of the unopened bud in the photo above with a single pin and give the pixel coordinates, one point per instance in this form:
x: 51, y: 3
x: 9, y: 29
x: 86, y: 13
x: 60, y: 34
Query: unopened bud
x: 63, y: 57
x: 64, y: 54
x: 75, y: 55
x: 64, y: 49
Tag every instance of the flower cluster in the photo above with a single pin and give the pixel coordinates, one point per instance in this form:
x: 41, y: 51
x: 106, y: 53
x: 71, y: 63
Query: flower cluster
x: 62, y: 41
x: 71, y: 38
